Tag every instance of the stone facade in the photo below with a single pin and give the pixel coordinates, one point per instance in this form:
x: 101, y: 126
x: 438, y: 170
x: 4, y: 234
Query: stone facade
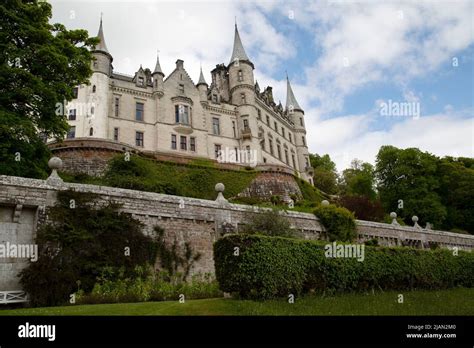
x: 200, y: 222
x: 176, y: 116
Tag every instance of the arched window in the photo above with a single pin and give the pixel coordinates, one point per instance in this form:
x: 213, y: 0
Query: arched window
x: 91, y: 131
x: 93, y: 89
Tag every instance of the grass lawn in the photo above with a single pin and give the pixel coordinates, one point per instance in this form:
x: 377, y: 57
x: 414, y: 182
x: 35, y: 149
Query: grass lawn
x: 447, y: 302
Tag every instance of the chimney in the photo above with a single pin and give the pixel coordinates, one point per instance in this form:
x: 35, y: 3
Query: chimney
x: 179, y: 64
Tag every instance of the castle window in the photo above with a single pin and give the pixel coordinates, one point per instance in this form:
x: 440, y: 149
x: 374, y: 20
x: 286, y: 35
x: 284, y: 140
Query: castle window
x: 95, y: 64
x: 214, y: 98
x: 262, y: 144
x: 72, y: 114
x: 183, y: 142
x: 173, y: 141
x: 286, y: 157
x: 139, y: 111
x: 116, y: 134
x: 91, y: 131
x: 236, y: 157
x: 248, y: 152
x: 71, y: 134
x: 259, y: 114
x: 270, y: 145
x: 117, y: 105
x: 192, y: 144
x: 93, y: 89
x: 233, y: 129
x: 301, y: 122
x: 304, y: 140
x: 279, y: 151
x: 75, y: 92
x: 181, y: 114
x: 283, y: 131
x: 293, y: 158
x: 268, y: 121
x: 217, y: 151
x: 216, y: 126
x: 242, y: 98
x: 181, y: 88
x: 92, y: 110
x: 289, y: 136
x: 246, y: 123
x: 264, y: 160
x: 141, y: 81
x: 139, y: 139
x: 241, y: 76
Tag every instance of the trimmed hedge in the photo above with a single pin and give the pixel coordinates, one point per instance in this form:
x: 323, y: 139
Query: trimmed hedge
x: 268, y: 267
x: 338, y: 222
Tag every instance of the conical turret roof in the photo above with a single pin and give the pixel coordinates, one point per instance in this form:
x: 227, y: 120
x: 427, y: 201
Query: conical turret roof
x: 201, y: 79
x: 158, y: 66
x: 238, y: 52
x: 101, y: 46
x: 290, y: 97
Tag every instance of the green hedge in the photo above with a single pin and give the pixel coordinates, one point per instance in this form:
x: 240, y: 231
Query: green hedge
x: 269, y: 267
x: 338, y: 222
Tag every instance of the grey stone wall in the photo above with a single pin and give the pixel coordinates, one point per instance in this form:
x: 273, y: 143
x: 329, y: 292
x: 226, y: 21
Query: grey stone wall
x: 197, y: 221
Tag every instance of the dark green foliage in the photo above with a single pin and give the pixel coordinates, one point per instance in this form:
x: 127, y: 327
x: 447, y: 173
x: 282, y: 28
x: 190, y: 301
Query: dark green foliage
x: 309, y: 192
x: 191, y: 180
x: 270, y: 222
x: 267, y: 267
x: 325, y: 175
x: 363, y: 207
x: 372, y: 242
x: 79, y: 242
x: 338, y: 222
x: 40, y: 63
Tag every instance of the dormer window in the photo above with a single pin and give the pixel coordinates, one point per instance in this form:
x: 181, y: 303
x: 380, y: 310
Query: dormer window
x: 141, y: 81
x: 181, y: 88
x: 214, y: 98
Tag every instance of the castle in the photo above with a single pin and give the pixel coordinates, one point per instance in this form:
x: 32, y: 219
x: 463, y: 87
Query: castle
x: 230, y: 120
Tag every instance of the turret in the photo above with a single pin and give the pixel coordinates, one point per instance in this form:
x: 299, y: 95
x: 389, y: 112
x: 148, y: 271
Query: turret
x: 103, y: 59
x: 296, y: 114
x: 158, y: 76
x: 202, y: 87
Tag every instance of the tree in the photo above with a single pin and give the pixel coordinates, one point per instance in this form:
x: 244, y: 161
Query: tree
x: 325, y: 175
x: 40, y: 65
x: 408, y: 183
x: 359, y: 180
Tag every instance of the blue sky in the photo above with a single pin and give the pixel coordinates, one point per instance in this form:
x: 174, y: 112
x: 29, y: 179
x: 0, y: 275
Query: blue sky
x: 345, y: 60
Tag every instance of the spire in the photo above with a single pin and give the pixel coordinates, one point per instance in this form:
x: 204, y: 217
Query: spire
x: 101, y: 46
x: 158, y: 66
x: 290, y: 97
x: 238, y: 52
x: 201, y: 79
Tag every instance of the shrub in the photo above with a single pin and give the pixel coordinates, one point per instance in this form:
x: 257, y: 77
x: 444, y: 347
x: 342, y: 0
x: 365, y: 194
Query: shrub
x: 267, y: 267
x: 363, y: 207
x: 78, y: 243
x: 269, y: 222
x: 338, y: 222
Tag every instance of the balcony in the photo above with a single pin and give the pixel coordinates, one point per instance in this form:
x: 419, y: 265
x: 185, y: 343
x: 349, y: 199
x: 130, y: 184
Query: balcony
x: 246, y: 133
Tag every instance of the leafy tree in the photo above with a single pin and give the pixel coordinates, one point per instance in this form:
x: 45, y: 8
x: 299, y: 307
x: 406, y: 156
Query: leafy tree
x: 325, y: 175
x: 359, y: 180
x: 363, y: 208
x: 407, y: 181
x: 40, y: 65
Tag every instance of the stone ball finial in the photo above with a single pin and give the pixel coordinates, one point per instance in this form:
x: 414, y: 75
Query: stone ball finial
x: 325, y: 202
x: 55, y: 163
x: 414, y: 218
x: 220, y: 187
x: 393, y: 215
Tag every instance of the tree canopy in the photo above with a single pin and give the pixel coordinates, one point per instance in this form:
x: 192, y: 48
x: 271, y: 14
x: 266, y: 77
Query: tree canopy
x: 40, y: 65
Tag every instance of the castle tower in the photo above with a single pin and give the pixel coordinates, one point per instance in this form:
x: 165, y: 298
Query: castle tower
x: 242, y: 94
x: 158, y: 76
x: 97, y: 103
x: 296, y: 113
x: 202, y: 87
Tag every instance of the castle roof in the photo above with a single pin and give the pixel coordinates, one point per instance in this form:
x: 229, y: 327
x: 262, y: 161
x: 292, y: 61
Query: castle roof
x: 238, y: 52
x: 201, y: 79
x: 158, y: 66
x: 101, y: 46
x: 290, y: 97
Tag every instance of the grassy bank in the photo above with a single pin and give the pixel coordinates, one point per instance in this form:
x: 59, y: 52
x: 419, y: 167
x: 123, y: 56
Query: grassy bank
x: 458, y: 301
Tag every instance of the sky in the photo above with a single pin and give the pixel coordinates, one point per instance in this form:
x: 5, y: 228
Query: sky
x: 367, y: 73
